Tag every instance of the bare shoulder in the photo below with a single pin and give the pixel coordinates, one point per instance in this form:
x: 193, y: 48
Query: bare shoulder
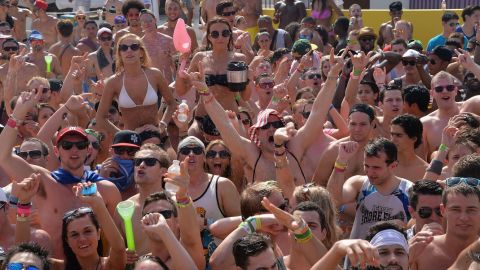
x: 470, y: 104
x: 429, y: 117
x: 105, y: 185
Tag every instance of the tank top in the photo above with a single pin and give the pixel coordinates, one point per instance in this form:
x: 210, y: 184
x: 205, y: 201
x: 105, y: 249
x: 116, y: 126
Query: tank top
x: 207, y: 204
x: 373, y: 207
x: 280, y: 39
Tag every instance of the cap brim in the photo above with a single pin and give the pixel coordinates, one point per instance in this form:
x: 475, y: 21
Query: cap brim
x: 72, y: 133
x: 125, y: 144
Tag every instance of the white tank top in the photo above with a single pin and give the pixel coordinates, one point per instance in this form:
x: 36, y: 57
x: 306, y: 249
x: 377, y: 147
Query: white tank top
x: 207, y: 204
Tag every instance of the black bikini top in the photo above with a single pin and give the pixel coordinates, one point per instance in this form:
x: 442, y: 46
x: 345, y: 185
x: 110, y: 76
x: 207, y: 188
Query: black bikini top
x: 221, y: 79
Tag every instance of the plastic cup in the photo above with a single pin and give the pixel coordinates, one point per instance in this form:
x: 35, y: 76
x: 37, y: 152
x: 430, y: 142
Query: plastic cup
x: 126, y: 209
x: 48, y: 60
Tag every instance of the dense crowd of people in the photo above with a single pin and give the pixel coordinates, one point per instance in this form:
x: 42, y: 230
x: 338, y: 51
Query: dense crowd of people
x: 284, y: 142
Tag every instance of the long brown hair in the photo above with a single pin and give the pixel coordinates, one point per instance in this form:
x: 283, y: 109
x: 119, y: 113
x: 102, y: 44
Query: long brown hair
x: 145, y: 59
x: 219, y: 20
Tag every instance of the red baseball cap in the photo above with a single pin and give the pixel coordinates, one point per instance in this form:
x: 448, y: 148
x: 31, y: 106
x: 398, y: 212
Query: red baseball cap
x: 77, y: 131
x: 41, y: 4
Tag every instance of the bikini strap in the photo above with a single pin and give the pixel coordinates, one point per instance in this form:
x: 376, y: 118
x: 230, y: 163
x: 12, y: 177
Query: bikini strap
x: 298, y: 163
x: 255, y: 166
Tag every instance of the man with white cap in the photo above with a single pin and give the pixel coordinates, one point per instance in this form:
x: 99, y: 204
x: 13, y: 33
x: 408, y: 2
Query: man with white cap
x: 413, y: 63
x: 101, y: 61
x: 388, y: 249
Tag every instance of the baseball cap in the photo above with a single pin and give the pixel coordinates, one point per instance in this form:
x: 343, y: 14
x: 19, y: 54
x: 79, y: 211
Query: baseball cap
x: 411, y: 53
x: 190, y: 140
x: 103, y: 30
x: 126, y: 138
x: 3, y: 196
x: 41, y: 4
x: 35, y: 35
x: 78, y: 131
x: 302, y: 47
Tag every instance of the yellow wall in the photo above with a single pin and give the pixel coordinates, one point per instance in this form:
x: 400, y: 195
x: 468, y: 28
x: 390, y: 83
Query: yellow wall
x: 427, y: 23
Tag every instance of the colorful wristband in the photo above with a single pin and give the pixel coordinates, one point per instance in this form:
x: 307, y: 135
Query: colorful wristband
x: 442, y: 148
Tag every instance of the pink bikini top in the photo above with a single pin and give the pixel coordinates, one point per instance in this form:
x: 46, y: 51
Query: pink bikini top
x: 325, y: 14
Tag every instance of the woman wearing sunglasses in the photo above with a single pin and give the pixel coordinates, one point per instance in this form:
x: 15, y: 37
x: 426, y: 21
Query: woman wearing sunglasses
x: 137, y: 87
x: 218, y: 159
x: 214, y: 62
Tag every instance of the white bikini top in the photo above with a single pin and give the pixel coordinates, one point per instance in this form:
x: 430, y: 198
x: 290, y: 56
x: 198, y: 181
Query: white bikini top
x: 125, y: 101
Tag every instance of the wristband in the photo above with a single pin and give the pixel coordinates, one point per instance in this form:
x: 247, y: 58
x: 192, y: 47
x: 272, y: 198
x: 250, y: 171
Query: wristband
x: 251, y: 225
x: 356, y: 72
x: 304, y: 238
x: 443, y: 148
x: 184, y: 202
x: 22, y: 219
x: 436, y: 166
x: 23, y: 212
x: 340, y: 165
x: 204, y: 91
x: 275, y: 99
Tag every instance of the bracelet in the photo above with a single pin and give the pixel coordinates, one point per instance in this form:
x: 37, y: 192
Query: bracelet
x: 204, y: 91
x: 340, y: 165
x: 238, y: 97
x: 68, y: 109
x: 435, y: 167
x: 251, y: 225
x: 277, y: 154
x: 279, y: 145
x: 305, y: 237
x: 275, y: 99
x: 443, y: 148
x: 22, y: 219
x: 356, y: 72
x: 184, y: 203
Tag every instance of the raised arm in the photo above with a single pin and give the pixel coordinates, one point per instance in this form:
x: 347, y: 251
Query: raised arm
x: 187, y: 216
x: 434, y: 170
x: 359, y: 252
x: 73, y: 79
x: 359, y: 62
x: 102, y: 114
x: 314, y: 125
x: 24, y: 191
x: 155, y: 225
x: 339, y: 122
x: 117, y: 257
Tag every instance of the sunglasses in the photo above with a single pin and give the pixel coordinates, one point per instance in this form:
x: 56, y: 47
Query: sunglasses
x: 426, y: 212
x: 366, y: 39
x: 453, y: 24
x: 306, y: 114
x: 34, y: 154
x: 95, y: 145
x: 20, y: 266
x: 167, y: 214
x: 275, y: 124
x: 314, y: 75
x: 224, y: 154
x: 409, y: 62
x: 266, y: 85
x: 68, y: 145
x: 134, y: 47
x: 453, y: 181
x: 120, y: 150
x: 107, y: 38
x: 43, y: 89
x: 197, y: 150
x: 246, y: 121
x: 439, y: 89
x: 216, y: 34
x: 226, y: 14
x: 10, y: 49
x: 78, y: 211
x: 149, y: 161
x: 81, y: 17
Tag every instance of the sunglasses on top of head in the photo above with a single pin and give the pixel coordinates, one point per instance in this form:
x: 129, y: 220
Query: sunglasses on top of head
x: 439, y: 89
x: 67, y: 145
x: 225, y: 33
x: 134, y: 47
x: 275, y: 124
x: 453, y: 181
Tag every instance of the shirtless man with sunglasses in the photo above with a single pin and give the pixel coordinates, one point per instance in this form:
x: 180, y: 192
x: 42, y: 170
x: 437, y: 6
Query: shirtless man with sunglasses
x: 72, y: 147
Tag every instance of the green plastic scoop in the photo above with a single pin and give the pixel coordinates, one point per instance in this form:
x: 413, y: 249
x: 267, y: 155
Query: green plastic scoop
x: 126, y: 209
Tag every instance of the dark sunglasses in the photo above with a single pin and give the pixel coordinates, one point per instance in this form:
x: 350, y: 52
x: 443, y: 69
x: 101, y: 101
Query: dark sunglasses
x: 81, y: 17
x: 266, y: 85
x: 409, y: 62
x: 440, y: 88
x: 120, y: 150
x: 34, y: 154
x: 276, y: 124
x: 167, y: 214
x: 306, y: 114
x: 453, y: 181
x: 12, y: 48
x: 366, y: 39
x: 314, y: 75
x: 226, y: 14
x: 426, y: 212
x: 107, y: 38
x: 224, y: 154
x: 149, y: 161
x: 133, y: 47
x: 43, y: 89
x: 78, y: 211
x: 216, y: 34
x: 20, y: 266
x: 246, y: 121
x: 68, y: 145
x: 197, y: 150
x: 95, y: 145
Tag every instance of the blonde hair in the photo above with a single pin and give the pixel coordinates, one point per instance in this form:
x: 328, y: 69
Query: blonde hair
x: 145, y: 59
x: 42, y: 80
x: 321, y: 197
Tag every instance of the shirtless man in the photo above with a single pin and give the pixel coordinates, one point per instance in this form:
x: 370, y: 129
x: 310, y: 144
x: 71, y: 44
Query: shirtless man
x: 21, y: 15
x: 391, y: 102
x: 37, y: 57
x: 55, y: 195
x: 385, y: 34
x: 101, y: 62
x: 361, y: 125
x: 288, y: 11
x: 131, y: 11
x: 251, y: 11
x: 112, y: 8
x: 444, y: 92
x: 173, y: 10
x: 413, y: 64
x: 45, y: 24
x: 461, y: 209
x: 406, y: 133
x: 89, y: 43
x: 209, y: 10
x: 258, y: 150
x: 63, y: 49
x: 159, y: 46
x: 10, y: 47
